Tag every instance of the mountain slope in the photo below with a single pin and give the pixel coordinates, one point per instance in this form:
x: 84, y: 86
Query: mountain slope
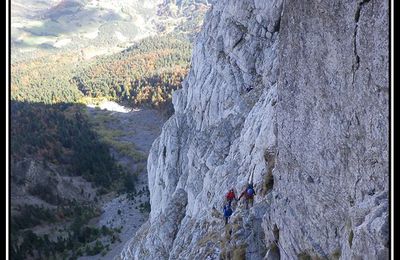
x: 311, y: 135
x: 96, y: 27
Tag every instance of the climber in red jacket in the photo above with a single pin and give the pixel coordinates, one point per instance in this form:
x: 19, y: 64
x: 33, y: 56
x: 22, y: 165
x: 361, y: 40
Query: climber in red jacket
x: 230, y: 196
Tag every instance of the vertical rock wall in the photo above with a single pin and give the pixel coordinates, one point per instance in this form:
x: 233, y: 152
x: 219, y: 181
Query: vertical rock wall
x: 312, y: 135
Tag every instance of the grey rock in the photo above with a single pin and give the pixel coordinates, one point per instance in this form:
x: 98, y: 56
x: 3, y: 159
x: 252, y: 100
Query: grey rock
x: 311, y: 135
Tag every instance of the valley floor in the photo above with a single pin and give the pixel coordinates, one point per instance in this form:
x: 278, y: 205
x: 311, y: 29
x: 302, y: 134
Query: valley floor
x: 139, y: 128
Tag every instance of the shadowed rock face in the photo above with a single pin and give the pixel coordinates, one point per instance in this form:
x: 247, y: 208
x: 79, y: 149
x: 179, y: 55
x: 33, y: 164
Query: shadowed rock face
x: 312, y: 135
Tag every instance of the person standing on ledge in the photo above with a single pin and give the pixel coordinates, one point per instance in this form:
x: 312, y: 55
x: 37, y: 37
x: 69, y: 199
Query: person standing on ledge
x: 230, y: 196
x: 248, y: 194
x: 227, y: 212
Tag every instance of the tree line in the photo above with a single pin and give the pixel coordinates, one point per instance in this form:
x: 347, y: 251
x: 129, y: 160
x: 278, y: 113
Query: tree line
x: 145, y: 74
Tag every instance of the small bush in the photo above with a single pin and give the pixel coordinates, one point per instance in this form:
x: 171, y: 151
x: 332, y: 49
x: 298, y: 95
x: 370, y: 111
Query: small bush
x: 239, y: 253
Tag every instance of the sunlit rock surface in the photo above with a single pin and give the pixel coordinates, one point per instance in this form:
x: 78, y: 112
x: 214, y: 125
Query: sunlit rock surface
x: 312, y: 135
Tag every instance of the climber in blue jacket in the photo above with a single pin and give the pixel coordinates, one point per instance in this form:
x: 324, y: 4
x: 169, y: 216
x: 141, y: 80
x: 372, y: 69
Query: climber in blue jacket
x: 227, y: 212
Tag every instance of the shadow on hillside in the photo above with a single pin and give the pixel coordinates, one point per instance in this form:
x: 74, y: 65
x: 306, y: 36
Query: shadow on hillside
x: 52, y: 147
x: 61, y: 20
x: 61, y: 134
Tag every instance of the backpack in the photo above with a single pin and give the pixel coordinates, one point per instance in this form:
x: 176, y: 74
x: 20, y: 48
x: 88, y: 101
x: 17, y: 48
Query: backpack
x: 250, y: 192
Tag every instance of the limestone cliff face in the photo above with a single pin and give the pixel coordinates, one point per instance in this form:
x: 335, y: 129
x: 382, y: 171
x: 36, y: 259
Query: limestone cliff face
x: 312, y: 135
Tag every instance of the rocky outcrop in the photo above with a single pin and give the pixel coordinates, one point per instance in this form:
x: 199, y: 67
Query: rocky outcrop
x: 311, y: 133
x: 41, y: 183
